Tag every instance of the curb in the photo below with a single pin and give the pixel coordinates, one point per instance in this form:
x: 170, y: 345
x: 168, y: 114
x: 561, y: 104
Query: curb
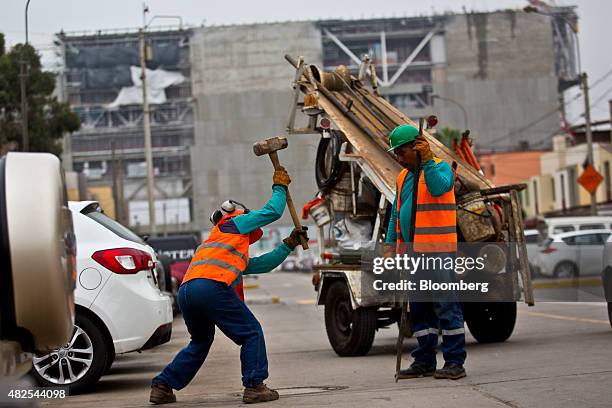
x: 263, y: 300
x: 567, y: 283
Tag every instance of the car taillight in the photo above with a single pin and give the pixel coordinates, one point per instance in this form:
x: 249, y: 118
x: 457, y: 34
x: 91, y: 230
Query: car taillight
x: 548, y: 250
x: 124, y: 260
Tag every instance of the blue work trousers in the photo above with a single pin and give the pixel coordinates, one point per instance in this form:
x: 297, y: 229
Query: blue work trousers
x: 205, y: 304
x: 427, y: 320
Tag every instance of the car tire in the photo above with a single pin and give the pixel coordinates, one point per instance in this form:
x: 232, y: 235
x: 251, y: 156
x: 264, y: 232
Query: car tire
x: 109, y: 361
x: 606, y: 278
x: 566, y: 269
x: 533, y: 271
x: 350, y: 331
x: 490, y: 322
x: 86, y: 365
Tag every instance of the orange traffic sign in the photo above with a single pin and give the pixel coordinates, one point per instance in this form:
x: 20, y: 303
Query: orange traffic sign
x: 590, y: 179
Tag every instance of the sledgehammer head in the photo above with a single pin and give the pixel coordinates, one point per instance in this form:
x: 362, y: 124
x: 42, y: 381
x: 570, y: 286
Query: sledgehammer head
x: 270, y: 145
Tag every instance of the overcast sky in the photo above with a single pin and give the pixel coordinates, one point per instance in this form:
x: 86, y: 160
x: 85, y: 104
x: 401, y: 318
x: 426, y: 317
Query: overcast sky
x: 47, y: 17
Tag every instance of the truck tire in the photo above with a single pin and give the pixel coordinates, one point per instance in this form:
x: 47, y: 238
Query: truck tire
x: 490, y: 322
x: 350, y: 332
x: 328, y: 167
x: 85, y: 359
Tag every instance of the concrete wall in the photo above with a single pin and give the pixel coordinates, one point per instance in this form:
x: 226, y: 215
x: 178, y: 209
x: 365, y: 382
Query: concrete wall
x: 242, y: 85
x: 500, y: 67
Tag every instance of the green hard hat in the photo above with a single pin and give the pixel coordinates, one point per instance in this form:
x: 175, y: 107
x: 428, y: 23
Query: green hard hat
x: 401, y: 135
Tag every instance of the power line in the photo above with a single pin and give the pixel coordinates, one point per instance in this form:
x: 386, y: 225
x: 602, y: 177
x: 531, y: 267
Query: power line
x: 601, y: 98
x: 607, y: 74
x: 556, y: 110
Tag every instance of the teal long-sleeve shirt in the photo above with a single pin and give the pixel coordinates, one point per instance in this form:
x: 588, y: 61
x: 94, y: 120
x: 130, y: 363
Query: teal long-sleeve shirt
x: 269, y: 213
x: 439, y: 179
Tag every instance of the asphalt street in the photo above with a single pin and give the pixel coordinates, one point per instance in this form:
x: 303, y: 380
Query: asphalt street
x: 560, y: 355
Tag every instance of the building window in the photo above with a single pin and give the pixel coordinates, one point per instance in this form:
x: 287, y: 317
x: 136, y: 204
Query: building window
x: 492, y: 171
x: 562, y: 184
x: 607, y: 180
x: 535, y: 197
x: 552, y: 189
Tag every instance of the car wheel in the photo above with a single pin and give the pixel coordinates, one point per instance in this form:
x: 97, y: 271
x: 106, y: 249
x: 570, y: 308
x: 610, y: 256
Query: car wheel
x: 350, y: 331
x: 79, y: 364
x: 566, y: 269
x: 534, y: 271
x: 109, y: 361
x: 606, y: 277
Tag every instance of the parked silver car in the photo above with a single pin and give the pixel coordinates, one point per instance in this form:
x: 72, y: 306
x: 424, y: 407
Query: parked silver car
x: 572, y: 254
x: 532, y: 241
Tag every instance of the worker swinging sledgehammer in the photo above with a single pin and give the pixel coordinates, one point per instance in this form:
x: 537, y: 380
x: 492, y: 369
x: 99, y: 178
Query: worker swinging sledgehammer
x: 210, y: 295
x: 435, y: 235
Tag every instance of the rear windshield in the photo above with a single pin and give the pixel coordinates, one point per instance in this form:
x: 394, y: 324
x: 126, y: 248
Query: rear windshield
x: 532, y: 238
x: 96, y: 214
x: 592, y: 226
x: 563, y: 228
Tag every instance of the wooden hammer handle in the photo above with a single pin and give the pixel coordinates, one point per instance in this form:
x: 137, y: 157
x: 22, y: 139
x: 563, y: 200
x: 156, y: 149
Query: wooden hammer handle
x: 294, y: 216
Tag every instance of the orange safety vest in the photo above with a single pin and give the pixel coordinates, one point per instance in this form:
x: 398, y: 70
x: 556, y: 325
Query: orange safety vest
x: 436, y: 218
x: 222, y: 257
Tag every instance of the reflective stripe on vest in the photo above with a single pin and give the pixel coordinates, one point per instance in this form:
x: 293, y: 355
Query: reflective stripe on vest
x: 436, y: 218
x: 222, y: 257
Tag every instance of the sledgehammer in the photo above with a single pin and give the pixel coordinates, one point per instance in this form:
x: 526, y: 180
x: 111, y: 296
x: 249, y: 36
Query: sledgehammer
x: 270, y: 147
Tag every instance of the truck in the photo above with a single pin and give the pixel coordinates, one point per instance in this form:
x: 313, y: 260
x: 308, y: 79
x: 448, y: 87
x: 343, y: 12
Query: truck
x: 356, y: 177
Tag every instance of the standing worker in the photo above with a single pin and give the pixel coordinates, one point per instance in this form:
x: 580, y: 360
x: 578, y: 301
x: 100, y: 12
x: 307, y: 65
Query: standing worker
x: 210, y: 295
x: 435, y: 234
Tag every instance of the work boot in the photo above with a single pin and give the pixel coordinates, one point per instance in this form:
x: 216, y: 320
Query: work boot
x: 450, y: 371
x: 162, y: 394
x: 417, y: 370
x: 259, y: 393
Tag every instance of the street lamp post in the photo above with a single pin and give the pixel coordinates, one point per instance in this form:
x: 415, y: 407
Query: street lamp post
x: 23, y: 76
x: 584, y: 83
x: 146, y: 122
x: 465, y: 117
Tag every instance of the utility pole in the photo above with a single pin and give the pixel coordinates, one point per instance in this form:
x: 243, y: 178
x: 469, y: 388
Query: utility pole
x: 589, y: 134
x: 115, y: 175
x: 610, y: 104
x: 23, y: 75
x: 146, y: 124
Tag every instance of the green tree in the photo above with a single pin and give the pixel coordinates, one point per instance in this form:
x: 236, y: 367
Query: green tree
x: 48, y: 119
x: 446, y: 135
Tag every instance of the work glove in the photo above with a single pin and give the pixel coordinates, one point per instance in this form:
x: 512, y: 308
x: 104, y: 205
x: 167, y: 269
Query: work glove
x: 294, y: 238
x: 281, y: 177
x: 422, y: 147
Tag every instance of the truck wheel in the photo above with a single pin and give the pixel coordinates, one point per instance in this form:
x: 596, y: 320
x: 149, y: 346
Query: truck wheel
x: 79, y: 364
x: 350, y: 332
x: 490, y: 322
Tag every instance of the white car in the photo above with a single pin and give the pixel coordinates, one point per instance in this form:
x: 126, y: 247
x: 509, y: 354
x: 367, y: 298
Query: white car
x: 119, y: 307
x: 558, y: 225
x: 532, y: 238
x: 573, y: 254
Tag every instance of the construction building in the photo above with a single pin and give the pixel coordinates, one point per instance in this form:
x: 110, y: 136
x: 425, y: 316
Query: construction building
x: 500, y: 74
x: 100, y: 80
